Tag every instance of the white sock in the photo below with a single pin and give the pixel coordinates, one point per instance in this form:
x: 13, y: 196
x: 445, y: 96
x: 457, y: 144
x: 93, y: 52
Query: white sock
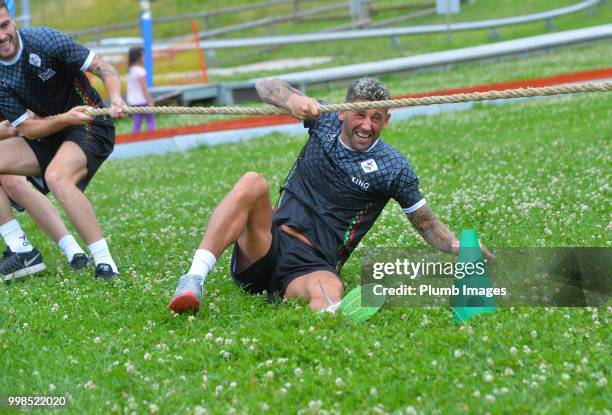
x: 15, y: 237
x: 101, y: 254
x: 70, y: 246
x: 202, y: 263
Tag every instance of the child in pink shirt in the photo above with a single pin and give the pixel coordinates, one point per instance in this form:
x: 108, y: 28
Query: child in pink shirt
x: 137, y: 92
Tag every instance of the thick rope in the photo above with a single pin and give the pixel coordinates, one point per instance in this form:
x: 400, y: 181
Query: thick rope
x: 357, y: 106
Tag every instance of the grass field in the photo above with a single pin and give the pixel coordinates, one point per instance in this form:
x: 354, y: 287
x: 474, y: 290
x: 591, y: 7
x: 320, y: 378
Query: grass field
x: 524, y: 175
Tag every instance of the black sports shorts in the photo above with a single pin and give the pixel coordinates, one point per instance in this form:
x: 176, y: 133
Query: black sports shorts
x: 96, y: 140
x: 287, y: 259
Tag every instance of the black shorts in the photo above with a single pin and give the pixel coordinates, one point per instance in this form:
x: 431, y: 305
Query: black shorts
x: 287, y: 259
x: 96, y: 140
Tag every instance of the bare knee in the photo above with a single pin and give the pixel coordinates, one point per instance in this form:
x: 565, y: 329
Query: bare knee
x: 58, y: 183
x: 322, y: 288
x: 251, y: 187
x: 16, y: 187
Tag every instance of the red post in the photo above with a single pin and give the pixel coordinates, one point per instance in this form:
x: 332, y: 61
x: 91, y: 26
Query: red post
x: 195, y: 26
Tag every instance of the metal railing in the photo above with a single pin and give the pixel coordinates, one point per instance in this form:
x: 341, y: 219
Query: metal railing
x: 395, y: 32
x: 205, y: 17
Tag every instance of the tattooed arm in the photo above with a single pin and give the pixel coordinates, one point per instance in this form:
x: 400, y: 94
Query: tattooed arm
x: 283, y: 95
x: 432, y: 230
x: 436, y: 233
x: 109, y: 76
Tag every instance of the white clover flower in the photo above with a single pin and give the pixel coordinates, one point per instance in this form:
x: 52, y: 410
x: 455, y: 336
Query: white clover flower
x: 97, y: 340
x: 489, y: 398
x: 55, y: 308
x: 565, y: 376
x: 269, y: 374
x: 339, y: 382
x: 153, y: 408
x: 147, y: 356
x: 315, y: 405
x: 190, y: 318
x: 488, y: 377
x: 373, y: 392
x: 476, y: 394
x: 458, y: 354
x: 509, y: 371
x: 534, y: 334
x: 208, y: 336
x: 51, y: 387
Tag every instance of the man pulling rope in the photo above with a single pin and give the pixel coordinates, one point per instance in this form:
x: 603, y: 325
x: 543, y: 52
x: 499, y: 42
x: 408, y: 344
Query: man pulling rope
x: 381, y: 104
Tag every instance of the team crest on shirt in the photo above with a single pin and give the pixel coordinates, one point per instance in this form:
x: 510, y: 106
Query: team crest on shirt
x: 35, y: 60
x: 369, y: 166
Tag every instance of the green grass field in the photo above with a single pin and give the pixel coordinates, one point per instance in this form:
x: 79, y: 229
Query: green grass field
x: 524, y: 175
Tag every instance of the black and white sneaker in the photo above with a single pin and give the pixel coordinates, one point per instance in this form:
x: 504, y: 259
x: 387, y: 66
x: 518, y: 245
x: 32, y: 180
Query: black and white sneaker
x: 105, y: 271
x: 79, y: 262
x: 17, y: 265
x: 7, y: 253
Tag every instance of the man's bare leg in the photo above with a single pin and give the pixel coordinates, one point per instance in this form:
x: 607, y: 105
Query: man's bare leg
x: 16, y: 157
x: 68, y: 168
x: 46, y: 217
x: 322, y: 290
x: 244, y: 216
x: 40, y: 208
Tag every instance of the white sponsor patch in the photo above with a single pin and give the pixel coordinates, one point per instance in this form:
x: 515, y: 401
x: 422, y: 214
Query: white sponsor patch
x: 369, y: 166
x: 35, y: 60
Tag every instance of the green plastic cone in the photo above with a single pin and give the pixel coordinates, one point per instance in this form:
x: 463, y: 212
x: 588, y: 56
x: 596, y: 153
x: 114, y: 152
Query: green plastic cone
x: 361, y: 303
x: 466, y: 306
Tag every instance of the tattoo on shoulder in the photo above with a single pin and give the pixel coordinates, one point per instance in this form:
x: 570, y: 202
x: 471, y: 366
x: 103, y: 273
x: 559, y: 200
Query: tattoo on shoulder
x: 102, y: 69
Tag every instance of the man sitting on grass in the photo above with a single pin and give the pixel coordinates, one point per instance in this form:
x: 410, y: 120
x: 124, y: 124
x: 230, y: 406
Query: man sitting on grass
x: 337, y: 188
